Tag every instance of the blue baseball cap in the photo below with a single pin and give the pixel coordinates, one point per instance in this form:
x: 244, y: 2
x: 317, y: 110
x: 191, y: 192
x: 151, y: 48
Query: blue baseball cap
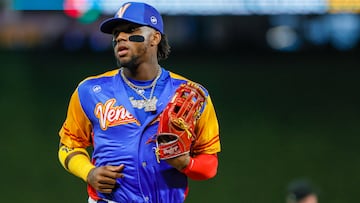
x: 134, y: 12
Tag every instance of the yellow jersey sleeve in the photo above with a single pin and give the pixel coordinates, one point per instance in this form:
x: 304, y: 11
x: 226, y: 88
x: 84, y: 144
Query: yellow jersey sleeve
x: 207, y: 131
x: 76, y: 130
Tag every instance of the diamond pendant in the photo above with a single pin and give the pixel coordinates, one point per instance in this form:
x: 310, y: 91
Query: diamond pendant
x: 150, y: 105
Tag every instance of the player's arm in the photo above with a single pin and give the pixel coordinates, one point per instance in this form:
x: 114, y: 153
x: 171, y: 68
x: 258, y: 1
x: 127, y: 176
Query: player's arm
x: 201, y: 167
x: 176, y: 129
x: 76, y: 161
x: 75, y: 136
x: 204, y: 162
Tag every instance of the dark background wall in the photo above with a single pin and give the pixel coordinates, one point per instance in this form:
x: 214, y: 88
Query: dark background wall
x: 282, y: 116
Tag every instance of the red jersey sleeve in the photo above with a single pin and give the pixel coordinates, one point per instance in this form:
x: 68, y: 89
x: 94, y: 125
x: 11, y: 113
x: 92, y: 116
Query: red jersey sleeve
x: 202, y: 167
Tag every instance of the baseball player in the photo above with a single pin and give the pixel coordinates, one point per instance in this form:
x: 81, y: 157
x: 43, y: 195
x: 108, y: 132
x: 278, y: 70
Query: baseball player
x: 117, y: 115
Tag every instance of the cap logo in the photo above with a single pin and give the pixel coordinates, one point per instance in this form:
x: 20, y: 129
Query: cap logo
x: 153, y: 20
x: 122, y: 10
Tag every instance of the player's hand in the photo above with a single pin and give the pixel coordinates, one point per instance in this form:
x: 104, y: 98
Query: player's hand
x: 179, y: 162
x: 103, y: 179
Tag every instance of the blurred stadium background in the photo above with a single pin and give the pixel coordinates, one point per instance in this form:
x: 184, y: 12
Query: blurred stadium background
x: 283, y: 74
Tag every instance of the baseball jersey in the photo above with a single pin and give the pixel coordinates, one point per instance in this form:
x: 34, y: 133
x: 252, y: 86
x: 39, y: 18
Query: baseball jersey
x: 107, y: 115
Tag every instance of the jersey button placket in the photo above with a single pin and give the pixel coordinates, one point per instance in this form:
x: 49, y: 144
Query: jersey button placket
x: 144, y: 164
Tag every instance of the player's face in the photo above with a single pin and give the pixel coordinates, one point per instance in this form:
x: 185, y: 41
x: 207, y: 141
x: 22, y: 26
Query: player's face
x: 131, y: 53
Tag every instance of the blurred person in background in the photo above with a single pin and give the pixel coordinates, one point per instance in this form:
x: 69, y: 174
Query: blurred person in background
x: 116, y: 114
x: 301, y: 191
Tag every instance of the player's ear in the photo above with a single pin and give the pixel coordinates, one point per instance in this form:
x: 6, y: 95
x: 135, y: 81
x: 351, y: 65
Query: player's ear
x: 155, y: 38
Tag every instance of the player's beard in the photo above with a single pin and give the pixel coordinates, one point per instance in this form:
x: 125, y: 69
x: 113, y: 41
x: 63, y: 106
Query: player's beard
x: 132, y: 64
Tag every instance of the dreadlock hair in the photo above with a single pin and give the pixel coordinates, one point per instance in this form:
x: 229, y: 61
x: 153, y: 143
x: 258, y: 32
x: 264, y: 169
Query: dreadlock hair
x: 163, y: 48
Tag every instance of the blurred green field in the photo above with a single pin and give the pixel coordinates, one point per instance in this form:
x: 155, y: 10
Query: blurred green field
x: 281, y: 117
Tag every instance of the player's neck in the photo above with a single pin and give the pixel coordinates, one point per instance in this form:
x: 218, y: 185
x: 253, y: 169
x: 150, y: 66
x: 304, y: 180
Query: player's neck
x: 142, y: 72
